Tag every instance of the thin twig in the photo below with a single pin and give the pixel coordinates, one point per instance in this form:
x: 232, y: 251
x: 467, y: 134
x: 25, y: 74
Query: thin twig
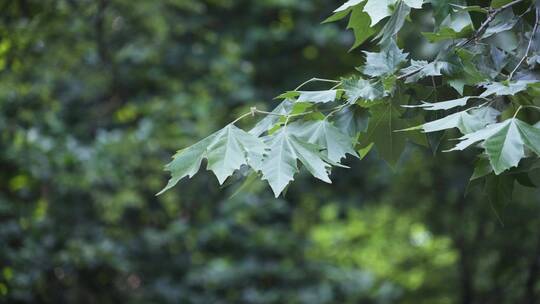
x: 483, y: 27
x: 528, y: 46
x: 409, y: 74
x: 337, y: 109
x: 316, y: 79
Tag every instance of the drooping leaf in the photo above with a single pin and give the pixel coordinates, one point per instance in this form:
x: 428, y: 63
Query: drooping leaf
x: 324, y: 134
x: 359, y: 23
x: 504, y: 142
x: 226, y: 150
x: 385, y: 62
x: 336, y: 16
x: 280, y: 165
x: 481, y: 168
x: 229, y: 151
x: 384, y: 121
x: 499, y: 190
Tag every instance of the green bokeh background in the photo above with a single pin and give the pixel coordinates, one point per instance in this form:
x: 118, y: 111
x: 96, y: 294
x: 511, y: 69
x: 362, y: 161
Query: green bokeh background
x: 96, y: 95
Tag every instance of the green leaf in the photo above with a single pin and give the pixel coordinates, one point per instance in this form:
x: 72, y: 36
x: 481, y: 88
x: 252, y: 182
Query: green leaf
x: 326, y: 136
x: 226, y: 150
x: 359, y: 22
x: 385, y: 119
x: 337, y: 16
x: 385, y: 62
x: 499, y: 191
x: 481, y: 168
x: 469, y: 75
x: 357, y: 88
x: 288, y: 95
x: 499, y: 3
x: 470, y: 8
x: 446, y: 33
x: 466, y: 121
x: 362, y: 152
x: 317, y: 96
x: 187, y: 162
x: 504, y: 142
x: 286, y: 149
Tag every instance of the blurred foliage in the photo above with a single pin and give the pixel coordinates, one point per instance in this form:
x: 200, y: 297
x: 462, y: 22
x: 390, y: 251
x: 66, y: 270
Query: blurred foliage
x: 96, y: 94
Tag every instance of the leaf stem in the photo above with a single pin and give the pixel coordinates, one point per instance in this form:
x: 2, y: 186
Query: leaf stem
x: 519, y: 109
x: 316, y: 79
x: 254, y: 111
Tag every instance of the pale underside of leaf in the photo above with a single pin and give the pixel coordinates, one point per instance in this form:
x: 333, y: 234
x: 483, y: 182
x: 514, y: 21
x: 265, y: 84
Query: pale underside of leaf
x: 347, y: 5
x: 226, y: 150
x: 504, y: 142
x: 443, y: 105
x: 466, y: 122
x: 321, y: 132
x: 317, y: 96
x: 280, y: 166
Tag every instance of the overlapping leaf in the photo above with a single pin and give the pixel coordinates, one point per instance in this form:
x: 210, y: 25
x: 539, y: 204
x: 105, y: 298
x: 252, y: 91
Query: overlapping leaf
x: 269, y: 121
x: 325, y: 134
x: 505, y: 143
x: 358, y: 88
x: 226, y: 151
x: 466, y: 121
x: 384, y: 121
x: 420, y: 69
x: 286, y: 150
x: 385, y: 62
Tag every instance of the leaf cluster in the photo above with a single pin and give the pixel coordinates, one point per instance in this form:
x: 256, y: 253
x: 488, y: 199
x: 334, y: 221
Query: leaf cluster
x: 488, y: 65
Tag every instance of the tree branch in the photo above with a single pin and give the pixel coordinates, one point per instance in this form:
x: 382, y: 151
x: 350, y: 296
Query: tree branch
x: 483, y: 27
